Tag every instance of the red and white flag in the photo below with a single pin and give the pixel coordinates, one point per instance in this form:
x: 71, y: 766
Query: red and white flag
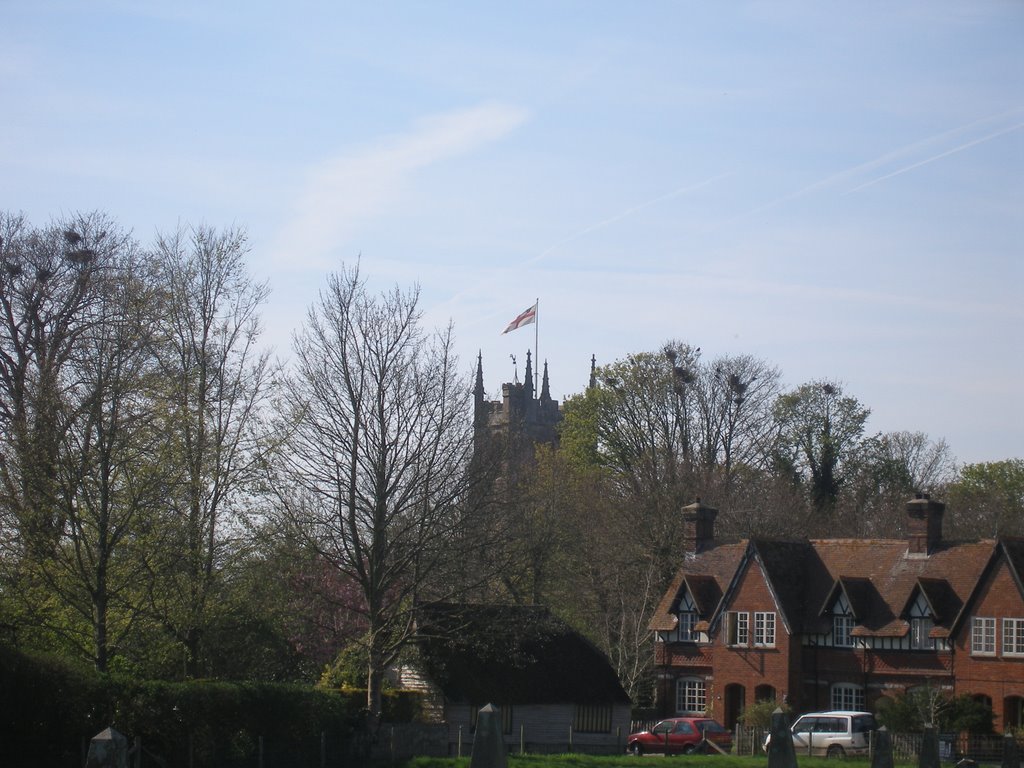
x: 525, y: 318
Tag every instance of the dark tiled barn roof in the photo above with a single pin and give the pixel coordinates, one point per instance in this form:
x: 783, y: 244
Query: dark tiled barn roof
x: 506, y: 654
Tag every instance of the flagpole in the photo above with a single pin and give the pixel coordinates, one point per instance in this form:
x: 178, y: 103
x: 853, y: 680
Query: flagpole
x: 536, y: 355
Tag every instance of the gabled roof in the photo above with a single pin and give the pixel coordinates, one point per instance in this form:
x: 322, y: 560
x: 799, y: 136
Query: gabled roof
x: 859, y: 593
x: 784, y: 566
x: 705, y: 592
x: 943, y: 602
x: 505, y: 654
x: 1013, y: 550
x: 1010, y: 549
x: 879, y: 577
x: 708, y: 573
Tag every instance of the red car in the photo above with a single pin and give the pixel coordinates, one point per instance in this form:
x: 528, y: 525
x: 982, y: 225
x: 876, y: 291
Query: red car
x: 680, y: 735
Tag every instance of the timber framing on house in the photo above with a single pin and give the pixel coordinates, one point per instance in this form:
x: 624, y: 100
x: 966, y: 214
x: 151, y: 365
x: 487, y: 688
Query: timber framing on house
x: 841, y: 623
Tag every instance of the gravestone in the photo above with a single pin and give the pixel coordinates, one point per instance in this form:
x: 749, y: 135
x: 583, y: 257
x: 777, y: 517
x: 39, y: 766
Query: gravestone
x: 780, y: 748
x: 1011, y: 757
x: 488, y: 745
x: 929, y: 757
x: 881, y: 757
x: 107, y: 749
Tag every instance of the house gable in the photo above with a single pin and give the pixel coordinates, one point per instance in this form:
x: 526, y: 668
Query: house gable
x: 761, y: 584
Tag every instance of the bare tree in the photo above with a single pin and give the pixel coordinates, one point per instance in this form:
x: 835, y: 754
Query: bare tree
x: 47, y: 297
x: 215, y: 381
x: 377, y: 456
x: 735, y: 396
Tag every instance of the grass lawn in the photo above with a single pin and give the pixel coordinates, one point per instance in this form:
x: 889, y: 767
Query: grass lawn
x: 628, y: 761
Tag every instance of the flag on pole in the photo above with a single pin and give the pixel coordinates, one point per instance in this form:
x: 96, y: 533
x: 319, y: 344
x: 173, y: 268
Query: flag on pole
x: 525, y: 318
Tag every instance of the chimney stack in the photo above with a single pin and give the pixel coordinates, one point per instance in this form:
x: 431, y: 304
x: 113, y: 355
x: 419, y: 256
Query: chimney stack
x: 698, y: 527
x: 924, y: 524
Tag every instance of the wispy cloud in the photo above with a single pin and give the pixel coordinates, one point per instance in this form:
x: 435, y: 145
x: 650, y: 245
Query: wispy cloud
x: 344, y: 191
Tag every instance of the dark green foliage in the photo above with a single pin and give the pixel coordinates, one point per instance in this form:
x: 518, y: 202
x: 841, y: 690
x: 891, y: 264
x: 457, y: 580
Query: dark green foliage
x: 50, y: 709
x: 911, y: 711
x: 760, y: 714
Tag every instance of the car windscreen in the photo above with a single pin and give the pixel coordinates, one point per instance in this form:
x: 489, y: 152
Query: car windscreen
x: 710, y: 726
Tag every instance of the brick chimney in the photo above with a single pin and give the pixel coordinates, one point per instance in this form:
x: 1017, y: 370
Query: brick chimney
x: 699, y: 527
x: 924, y: 524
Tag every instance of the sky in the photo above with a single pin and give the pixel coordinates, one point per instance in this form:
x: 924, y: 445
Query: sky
x: 834, y: 187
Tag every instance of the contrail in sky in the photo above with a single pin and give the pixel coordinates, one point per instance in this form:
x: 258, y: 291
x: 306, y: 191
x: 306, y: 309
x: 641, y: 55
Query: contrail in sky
x: 893, y: 155
x: 605, y: 222
x: 939, y: 156
x: 626, y: 213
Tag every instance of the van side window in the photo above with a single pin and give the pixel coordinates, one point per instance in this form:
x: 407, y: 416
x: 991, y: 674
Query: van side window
x: 864, y: 723
x: 830, y: 725
x: 805, y: 725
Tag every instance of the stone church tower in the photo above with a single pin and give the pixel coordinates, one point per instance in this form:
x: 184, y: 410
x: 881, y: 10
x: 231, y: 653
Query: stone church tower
x: 506, y: 431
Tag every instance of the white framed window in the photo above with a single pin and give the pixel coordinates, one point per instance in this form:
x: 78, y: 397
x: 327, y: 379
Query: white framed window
x: 691, y: 696
x: 737, y: 628
x: 687, y: 626
x: 1013, y: 637
x: 842, y: 630
x: 920, y: 628
x: 847, y: 696
x: 983, y: 636
x: 764, y: 629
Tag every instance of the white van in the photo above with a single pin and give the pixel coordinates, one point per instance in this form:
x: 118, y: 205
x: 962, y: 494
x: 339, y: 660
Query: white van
x: 832, y: 734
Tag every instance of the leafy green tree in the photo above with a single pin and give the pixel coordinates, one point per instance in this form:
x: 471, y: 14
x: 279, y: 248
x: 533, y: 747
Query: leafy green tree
x: 882, y: 473
x: 988, y: 498
x: 215, y: 381
x: 927, y: 706
x: 819, y: 431
x: 637, y: 426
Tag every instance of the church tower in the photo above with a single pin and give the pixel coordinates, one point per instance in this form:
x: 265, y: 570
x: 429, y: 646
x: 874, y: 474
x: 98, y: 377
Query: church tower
x: 507, y: 431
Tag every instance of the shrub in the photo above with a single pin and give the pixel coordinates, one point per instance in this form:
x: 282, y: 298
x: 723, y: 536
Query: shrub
x: 759, y: 714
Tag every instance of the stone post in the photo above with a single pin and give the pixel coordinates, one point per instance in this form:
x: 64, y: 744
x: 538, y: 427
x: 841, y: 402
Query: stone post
x: 881, y: 756
x: 488, y: 744
x: 780, y: 747
x: 929, y: 757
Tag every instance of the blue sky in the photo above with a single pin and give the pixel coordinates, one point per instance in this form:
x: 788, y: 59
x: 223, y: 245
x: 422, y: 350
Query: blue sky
x: 837, y: 188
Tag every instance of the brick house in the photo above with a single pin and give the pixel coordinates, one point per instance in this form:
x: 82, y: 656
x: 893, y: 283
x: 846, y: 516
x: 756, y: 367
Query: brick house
x: 841, y: 623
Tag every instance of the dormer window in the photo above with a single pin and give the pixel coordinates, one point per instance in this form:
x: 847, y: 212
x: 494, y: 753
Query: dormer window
x: 921, y: 623
x: 842, y: 630
x: 687, y: 628
x: 843, y: 623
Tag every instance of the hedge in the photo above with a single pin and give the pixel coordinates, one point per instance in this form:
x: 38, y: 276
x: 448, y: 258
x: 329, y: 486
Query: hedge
x: 49, y: 709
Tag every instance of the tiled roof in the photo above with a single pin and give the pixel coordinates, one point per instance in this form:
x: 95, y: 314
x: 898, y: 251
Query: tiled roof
x: 878, y: 576
x: 947, y: 576
x: 508, y: 654
x: 717, y: 565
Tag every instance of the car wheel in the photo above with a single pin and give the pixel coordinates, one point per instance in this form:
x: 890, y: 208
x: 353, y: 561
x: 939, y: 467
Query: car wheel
x: 689, y: 749
x: 835, y: 752
x: 636, y: 749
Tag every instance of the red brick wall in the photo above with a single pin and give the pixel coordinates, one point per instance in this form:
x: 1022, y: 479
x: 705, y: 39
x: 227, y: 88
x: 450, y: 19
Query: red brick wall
x: 751, y: 667
x: 997, y: 677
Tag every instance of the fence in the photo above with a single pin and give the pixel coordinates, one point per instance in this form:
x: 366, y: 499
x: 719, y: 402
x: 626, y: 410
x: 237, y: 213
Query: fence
x: 906, y: 747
